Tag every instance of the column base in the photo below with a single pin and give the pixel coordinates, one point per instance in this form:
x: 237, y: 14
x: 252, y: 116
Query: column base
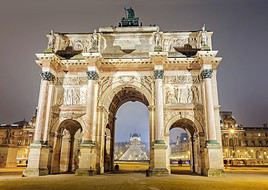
x: 35, y: 172
x: 38, y: 161
x: 160, y: 160
x: 157, y: 172
x: 214, y: 172
x: 214, y: 160
x: 87, y: 162
x: 85, y: 172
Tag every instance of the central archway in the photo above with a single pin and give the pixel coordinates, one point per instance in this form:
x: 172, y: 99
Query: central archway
x: 126, y: 94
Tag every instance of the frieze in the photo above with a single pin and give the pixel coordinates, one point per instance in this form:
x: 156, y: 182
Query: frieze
x: 71, y: 81
x: 72, y: 115
x: 171, y: 42
x: 84, y: 44
x: 81, y: 45
x: 182, y: 79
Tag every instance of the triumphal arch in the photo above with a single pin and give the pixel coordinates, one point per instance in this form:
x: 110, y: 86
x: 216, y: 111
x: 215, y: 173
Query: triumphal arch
x: 86, y: 77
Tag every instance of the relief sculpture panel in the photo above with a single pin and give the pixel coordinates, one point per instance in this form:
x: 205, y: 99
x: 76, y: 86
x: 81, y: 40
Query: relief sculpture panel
x: 183, y: 89
x: 74, y: 96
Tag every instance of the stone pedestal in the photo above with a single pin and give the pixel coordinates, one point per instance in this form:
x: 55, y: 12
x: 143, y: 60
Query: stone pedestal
x: 38, y: 161
x: 87, y: 162
x: 214, y: 163
x: 160, y: 160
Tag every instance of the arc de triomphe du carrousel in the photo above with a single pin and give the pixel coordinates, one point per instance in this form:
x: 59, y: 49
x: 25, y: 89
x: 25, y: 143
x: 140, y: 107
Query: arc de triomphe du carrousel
x: 86, y: 77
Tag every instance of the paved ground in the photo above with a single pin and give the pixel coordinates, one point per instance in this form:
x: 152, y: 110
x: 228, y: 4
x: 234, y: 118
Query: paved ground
x: 235, y: 179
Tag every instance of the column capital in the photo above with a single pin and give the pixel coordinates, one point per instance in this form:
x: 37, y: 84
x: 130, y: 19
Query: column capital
x: 159, y: 74
x: 47, y: 75
x: 206, y: 73
x: 92, y: 75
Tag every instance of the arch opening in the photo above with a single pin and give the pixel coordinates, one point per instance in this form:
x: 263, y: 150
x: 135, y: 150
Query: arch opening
x: 127, y: 133
x: 183, y: 147
x: 65, y: 157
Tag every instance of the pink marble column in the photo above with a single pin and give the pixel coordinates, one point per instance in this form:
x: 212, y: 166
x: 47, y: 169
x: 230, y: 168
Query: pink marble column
x: 159, y: 106
x: 88, y: 132
x: 46, y: 78
x: 206, y: 75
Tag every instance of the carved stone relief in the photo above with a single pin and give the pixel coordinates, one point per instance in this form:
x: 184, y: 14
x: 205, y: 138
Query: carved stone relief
x: 74, y: 96
x: 107, y: 82
x: 182, y: 94
x: 169, y: 42
x: 72, y: 115
x: 84, y: 43
x: 183, y: 89
x: 182, y: 79
x: 71, y: 81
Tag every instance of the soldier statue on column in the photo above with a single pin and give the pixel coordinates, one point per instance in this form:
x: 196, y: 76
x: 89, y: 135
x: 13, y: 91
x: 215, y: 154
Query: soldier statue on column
x: 158, y: 45
x: 94, y: 41
x: 204, y: 38
x: 51, y: 41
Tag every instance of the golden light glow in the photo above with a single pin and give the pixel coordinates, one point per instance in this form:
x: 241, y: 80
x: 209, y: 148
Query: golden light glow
x: 232, y: 131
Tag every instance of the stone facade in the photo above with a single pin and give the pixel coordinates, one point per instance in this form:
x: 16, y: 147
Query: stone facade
x: 87, y: 77
x: 14, y: 143
x: 243, y: 145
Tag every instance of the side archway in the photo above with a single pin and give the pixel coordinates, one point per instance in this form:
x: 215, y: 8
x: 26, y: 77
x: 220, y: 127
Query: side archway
x: 195, y: 141
x: 65, y: 154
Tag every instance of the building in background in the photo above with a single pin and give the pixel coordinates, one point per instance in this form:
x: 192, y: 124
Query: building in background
x: 15, y: 140
x: 243, y: 145
x: 180, y: 150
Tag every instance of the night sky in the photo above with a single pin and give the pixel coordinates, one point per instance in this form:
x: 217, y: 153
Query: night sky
x: 240, y: 34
